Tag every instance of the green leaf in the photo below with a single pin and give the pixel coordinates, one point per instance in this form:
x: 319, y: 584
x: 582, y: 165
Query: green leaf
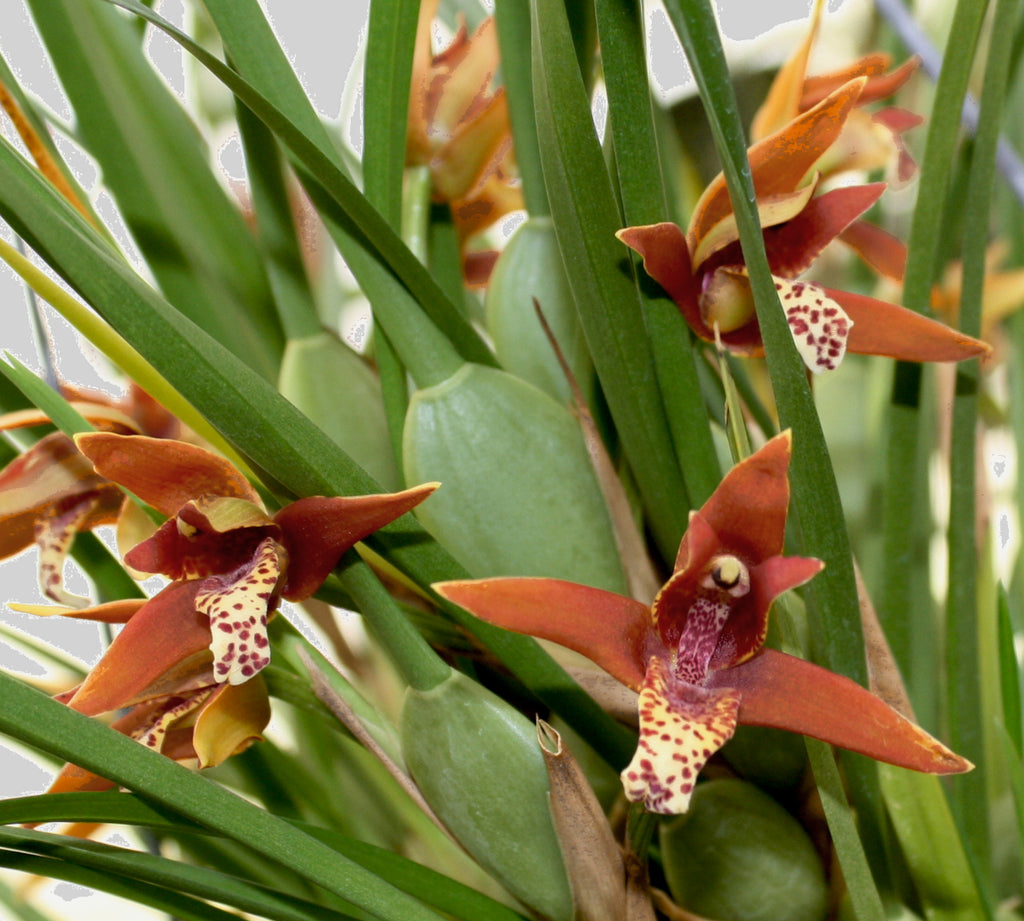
x: 386, y: 80
x: 125, y: 809
x: 193, y: 237
x: 31, y: 717
x: 174, y: 876
x: 176, y: 904
x: 931, y: 845
x: 967, y: 629
x: 644, y: 201
x: 1009, y: 676
x: 600, y: 273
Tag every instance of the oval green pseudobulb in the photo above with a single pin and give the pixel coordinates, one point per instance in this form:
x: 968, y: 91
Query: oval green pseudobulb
x: 477, y: 762
x: 737, y: 855
x: 339, y: 391
x: 518, y: 494
x: 530, y: 267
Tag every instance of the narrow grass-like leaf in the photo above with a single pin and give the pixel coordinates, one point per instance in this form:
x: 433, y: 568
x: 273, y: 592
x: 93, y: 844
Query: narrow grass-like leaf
x: 268, y: 430
x: 638, y: 175
x: 586, y: 218
x: 115, y: 808
x: 177, y: 905
x: 293, y: 296
x: 1015, y: 770
x: 931, y: 846
x: 965, y: 628
x: 18, y: 907
x: 386, y: 81
x: 512, y: 19
x: 905, y: 510
x: 192, y: 236
x: 1009, y: 676
x: 175, y: 876
x: 36, y: 720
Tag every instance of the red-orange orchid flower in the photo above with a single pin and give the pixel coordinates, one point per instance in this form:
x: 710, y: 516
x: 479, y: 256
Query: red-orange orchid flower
x: 704, y: 272
x: 696, y: 655
x: 50, y: 493
x: 459, y: 125
x: 185, y: 657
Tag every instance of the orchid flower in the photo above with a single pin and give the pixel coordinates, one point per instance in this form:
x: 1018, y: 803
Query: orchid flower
x: 51, y: 492
x: 187, y: 661
x: 696, y: 655
x: 459, y: 125
x: 704, y: 272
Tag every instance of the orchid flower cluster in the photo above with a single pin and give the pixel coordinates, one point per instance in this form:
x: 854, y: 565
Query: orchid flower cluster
x: 604, y: 555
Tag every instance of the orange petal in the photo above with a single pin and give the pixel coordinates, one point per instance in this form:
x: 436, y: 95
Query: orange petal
x: 317, y: 531
x: 881, y: 328
x: 788, y: 693
x: 113, y: 612
x: 159, y: 647
x: 880, y: 85
x: 163, y: 473
x: 474, y: 148
x: 48, y: 472
x: 614, y: 631
x: 886, y: 254
x: 746, y: 514
x: 782, y: 104
x: 780, y: 162
x: 666, y: 259
x: 231, y: 720
x: 771, y: 211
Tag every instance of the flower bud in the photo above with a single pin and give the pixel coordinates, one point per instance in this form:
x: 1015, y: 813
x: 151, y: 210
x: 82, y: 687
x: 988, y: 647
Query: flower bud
x: 519, y: 494
x: 530, y: 267
x: 737, y: 855
x: 339, y: 391
x: 477, y: 763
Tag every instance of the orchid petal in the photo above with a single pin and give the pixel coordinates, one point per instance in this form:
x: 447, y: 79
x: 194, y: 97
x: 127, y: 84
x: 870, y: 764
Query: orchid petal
x: 467, y: 68
x: 792, y: 247
x: 881, y: 328
x: 883, y: 252
x: 681, y: 726
x: 789, y: 693
x: 48, y: 472
x: 317, y: 531
x: 476, y: 147
x: 879, y: 85
x: 113, y: 612
x: 772, y: 210
x: 819, y: 325
x: 233, y: 718
x: 55, y: 531
x: 239, y: 606
x: 611, y: 630
x: 666, y: 259
x: 163, y: 473
x: 782, y: 103
x: 780, y: 162
x: 152, y: 733
x: 213, y: 534
x: 747, y: 512
x: 165, y: 639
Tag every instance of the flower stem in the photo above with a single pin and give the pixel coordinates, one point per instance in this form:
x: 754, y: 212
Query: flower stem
x: 418, y: 664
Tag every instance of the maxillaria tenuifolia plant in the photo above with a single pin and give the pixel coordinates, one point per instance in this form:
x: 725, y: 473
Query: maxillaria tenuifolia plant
x: 519, y: 508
